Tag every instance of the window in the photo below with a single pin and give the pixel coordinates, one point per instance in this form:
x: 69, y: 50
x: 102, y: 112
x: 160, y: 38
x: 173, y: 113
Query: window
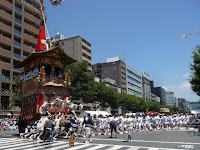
x: 14, y: 64
x: 9, y: 1
x: 5, y: 87
x: 17, y: 20
x: 132, y: 73
x: 17, y: 54
x: 5, y: 47
x: 5, y: 102
x: 5, y: 34
x: 5, y: 74
x: 26, y: 54
x: 134, y: 80
x: 17, y: 32
x: 18, y: 8
x: 5, y: 59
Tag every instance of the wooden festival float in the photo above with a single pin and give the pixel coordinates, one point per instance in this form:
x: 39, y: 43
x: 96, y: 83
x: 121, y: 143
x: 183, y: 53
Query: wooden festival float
x: 43, y: 79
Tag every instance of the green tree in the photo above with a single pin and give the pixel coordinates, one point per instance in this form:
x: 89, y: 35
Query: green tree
x: 82, y: 81
x: 195, y: 68
x: 16, y: 97
x: 107, y: 96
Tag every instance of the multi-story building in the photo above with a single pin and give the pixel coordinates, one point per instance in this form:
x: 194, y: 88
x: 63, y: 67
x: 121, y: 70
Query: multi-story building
x: 160, y: 92
x: 115, y: 69
x: 155, y: 98
x: 19, y: 28
x: 133, y: 82
x: 182, y: 103
x: 194, y: 107
x: 77, y: 48
x: 170, y: 98
x: 146, y: 86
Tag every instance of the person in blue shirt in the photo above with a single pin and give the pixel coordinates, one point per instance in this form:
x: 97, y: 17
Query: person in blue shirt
x: 88, y: 128
x: 73, y: 126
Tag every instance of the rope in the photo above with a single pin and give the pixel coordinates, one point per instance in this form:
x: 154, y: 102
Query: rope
x: 44, y: 21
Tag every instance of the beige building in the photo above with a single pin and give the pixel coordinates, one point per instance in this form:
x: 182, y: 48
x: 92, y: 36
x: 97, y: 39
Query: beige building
x: 77, y: 48
x: 19, y: 29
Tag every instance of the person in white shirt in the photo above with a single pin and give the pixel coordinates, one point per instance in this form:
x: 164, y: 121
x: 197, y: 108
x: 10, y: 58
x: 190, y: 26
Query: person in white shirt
x: 57, y: 126
x: 129, y: 125
x: 40, y: 125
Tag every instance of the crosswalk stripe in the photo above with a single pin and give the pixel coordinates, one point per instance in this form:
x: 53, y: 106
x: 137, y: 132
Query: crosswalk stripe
x: 46, y: 146
x: 115, y: 147
x: 34, y: 145
x: 71, y: 148
x: 9, y: 143
x: 96, y: 147
x: 21, y: 144
x: 133, y: 147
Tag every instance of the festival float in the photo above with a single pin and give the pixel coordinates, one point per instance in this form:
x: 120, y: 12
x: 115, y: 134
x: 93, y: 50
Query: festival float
x: 44, y: 82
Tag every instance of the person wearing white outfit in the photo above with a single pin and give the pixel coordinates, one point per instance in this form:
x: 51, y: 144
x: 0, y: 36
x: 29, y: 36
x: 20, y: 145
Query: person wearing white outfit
x: 129, y: 125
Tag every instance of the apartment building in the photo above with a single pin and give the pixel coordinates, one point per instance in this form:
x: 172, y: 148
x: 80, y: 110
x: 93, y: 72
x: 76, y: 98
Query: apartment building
x: 19, y: 29
x: 78, y: 48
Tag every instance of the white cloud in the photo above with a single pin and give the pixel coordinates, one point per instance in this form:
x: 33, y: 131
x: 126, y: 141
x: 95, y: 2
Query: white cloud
x: 186, y: 75
x: 183, y: 90
x: 166, y: 88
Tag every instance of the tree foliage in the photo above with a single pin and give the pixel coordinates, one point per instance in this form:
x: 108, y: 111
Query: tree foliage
x: 82, y: 81
x: 195, y: 70
x: 83, y: 87
x: 16, y: 97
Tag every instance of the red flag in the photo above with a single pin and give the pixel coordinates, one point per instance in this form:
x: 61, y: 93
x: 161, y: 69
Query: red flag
x: 41, y: 38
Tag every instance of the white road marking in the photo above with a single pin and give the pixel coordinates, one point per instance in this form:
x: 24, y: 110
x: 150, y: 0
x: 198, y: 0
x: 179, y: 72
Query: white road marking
x: 64, y: 144
x: 187, y: 146
x: 144, y: 141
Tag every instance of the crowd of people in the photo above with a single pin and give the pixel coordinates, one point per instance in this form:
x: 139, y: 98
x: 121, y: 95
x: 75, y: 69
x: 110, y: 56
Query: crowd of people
x: 70, y: 125
x: 8, y: 124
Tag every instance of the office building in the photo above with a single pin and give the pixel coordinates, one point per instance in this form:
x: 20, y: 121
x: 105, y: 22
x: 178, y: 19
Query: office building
x: 114, y: 69
x: 160, y: 92
x: 146, y: 86
x: 170, y: 98
x: 133, y: 82
x: 182, y: 103
x: 19, y: 28
x: 155, y: 98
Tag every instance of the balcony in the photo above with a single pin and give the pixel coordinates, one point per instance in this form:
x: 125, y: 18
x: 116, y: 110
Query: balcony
x: 5, y: 27
x: 5, y: 40
x: 5, y: 15
x: 4, y: 65
x: 28, y: 48
x: 17, y: 44
x: 15, y: 55
x: 18, y: 21
x: 5, y: 90
x: 31, y: 28
x: 7, y: 4
x: 16, y: 69
x: 5, y: 52
x: 31, y: 17
x: 17, y: 32
x: 30, y: 38
x: 18, y: 9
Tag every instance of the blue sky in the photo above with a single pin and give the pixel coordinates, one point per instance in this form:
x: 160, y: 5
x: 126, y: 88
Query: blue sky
x: 145, y: 33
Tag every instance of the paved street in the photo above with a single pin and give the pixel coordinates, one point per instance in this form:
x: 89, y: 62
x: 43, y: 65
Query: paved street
x: 156, y: 140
